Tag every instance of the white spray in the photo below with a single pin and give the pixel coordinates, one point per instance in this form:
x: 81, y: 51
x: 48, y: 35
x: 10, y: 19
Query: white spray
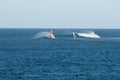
x: 89, y: 34
x: 41, y: 35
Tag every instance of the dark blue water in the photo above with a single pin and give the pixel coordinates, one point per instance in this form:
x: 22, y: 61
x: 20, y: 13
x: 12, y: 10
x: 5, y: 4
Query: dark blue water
x: 24, y: 58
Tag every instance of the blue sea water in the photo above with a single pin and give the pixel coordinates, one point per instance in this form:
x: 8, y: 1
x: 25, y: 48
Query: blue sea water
x: 24, y: 58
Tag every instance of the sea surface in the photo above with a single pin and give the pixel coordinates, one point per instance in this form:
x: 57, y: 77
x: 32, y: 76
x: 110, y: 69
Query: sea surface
x: 22, y: 57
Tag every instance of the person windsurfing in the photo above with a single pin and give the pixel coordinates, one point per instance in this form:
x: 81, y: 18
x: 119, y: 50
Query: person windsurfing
x: 50, y: 35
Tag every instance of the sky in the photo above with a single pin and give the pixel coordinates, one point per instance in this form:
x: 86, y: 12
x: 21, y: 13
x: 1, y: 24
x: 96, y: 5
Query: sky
x: 60, y: 13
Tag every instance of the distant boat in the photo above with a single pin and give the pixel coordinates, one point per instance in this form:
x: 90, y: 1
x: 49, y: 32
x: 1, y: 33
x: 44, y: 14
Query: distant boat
x: 51, y: 35
x: 88, y: 35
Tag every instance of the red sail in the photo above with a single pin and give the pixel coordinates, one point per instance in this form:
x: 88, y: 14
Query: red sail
x: 51, y: 32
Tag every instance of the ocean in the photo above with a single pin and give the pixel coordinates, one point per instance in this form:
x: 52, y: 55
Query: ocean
x: 23, y: 57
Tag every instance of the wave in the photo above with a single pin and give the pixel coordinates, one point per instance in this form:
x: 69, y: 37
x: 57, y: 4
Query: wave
x: 112, y: 38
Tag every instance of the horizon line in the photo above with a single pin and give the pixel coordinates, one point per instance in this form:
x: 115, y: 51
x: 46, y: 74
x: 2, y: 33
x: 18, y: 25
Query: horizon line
x: 57, y: 28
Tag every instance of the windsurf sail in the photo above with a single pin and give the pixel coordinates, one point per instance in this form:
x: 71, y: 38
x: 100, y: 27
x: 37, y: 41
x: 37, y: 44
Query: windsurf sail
x: 51, y: 35
x: 74, y: 36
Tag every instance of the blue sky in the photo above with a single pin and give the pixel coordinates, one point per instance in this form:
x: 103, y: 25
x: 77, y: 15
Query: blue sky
x: 60, y: 13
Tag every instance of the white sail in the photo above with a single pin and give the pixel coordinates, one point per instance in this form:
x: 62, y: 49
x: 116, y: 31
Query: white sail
x: 74, y: 36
